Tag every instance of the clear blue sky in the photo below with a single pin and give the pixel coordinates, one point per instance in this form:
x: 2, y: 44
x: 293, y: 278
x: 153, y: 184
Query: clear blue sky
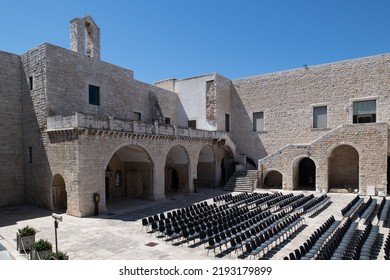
x: 181, y: 38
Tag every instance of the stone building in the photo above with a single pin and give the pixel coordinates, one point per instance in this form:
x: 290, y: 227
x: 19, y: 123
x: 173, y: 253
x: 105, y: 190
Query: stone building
x: 74, y: 126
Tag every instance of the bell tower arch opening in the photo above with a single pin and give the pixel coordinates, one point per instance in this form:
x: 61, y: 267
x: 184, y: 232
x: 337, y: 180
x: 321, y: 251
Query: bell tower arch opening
x: 85, y: 37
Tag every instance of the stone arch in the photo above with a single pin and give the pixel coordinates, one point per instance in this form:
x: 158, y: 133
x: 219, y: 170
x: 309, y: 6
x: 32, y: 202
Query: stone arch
x: 228, y: 166
x: 304, y: 174
x: 273, y: 179
x: 343, y: 169
x: 177, y: 164
x: 129, y: 173
x: 59, y: 193
x: 206, y: 167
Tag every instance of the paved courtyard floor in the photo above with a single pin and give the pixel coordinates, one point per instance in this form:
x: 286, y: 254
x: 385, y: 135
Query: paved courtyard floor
x: 118, y: 234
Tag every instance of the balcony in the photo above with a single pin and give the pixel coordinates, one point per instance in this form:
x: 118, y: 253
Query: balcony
x: 91, y: 122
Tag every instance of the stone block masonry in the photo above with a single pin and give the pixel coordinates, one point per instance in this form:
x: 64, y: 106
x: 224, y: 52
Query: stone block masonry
x: 11, y: 136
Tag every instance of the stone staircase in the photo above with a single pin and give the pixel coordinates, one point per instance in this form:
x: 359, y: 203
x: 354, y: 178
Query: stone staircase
x: 242, y: 181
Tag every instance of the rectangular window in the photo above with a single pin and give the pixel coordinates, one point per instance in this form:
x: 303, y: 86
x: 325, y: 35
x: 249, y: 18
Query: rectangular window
x: 30, y: 155
x: 167, y: 120
x: 31, y: 82
x: 364, y: 111
x: 320, y: 117
x: 209, y: 85
x: 192, y: 124
x: 94, y: 95
x: 227, y: 122
x: 258, y: 121
x: 137, y: 116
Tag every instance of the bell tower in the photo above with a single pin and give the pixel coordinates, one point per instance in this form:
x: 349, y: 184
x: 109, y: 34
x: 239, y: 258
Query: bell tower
x: 85, y: 37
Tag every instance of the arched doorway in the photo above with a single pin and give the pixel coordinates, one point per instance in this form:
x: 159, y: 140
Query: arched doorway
x: 129, y: 174
x: 343, y: 169
x: 304, y: 170
x: 59, y: 193
x: 206, y: 168
x: 273, y: 180
x: 228, y: 166
x: 176, y: 170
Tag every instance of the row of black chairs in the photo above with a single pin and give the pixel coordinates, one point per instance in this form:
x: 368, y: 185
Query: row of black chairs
x: 222, y: 199
x: 330, y: 246
x: 278, y: 232
x: 386, y: 247
x: 150, y: 220
x: 216, y: 223
x: 274, y: 202
x: 315, y: 204
x: 312, y: 245
x: 383, y: 210
x: 255, y: 200
x: 219, y: 224
x: 346, y: 211
x: 346, y: 240
x: 369, y: 209
x: 244, y: 198
x: 354, y: 249
x: 297, y: 205
x: 366, y: 251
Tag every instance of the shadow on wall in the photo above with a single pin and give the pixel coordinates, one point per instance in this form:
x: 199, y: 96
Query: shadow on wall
x: 37, y: 171
x: 247, y: 141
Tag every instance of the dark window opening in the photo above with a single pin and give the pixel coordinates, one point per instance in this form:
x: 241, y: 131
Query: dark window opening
x: 94, y: 95
x: 227, y: 122
x: 31, y: 83
x: 192, y: 124
x: 137, y: 116
x: 30, y: 159
x: 167, y: 120
x: 364, y: 111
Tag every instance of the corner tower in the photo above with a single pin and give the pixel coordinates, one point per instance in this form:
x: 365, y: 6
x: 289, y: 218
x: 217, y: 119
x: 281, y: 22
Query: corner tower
x: 85, y: 37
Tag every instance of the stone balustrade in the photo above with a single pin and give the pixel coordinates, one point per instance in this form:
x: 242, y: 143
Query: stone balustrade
x: 82, y: 121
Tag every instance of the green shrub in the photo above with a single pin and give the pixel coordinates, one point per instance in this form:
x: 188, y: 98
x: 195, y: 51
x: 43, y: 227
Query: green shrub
x: 42, y: 245
x: 53, y: 256
x: 26, y: 231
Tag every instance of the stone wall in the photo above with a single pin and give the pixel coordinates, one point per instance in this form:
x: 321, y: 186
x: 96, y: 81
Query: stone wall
x: 37, y: 171
x: 369, y: 141
x: 11, y: 137
x: 223, y: 101
x: 287, y: 99
x: 69, y: 75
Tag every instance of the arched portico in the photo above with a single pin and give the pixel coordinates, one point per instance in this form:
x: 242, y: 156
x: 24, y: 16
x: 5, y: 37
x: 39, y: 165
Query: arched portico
x: 206, y: 176
x: 129, y: 174
x: 177, y: 170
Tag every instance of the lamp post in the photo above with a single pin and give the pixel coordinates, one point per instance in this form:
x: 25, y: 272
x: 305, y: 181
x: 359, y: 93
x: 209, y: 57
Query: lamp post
x: 57, y: 218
